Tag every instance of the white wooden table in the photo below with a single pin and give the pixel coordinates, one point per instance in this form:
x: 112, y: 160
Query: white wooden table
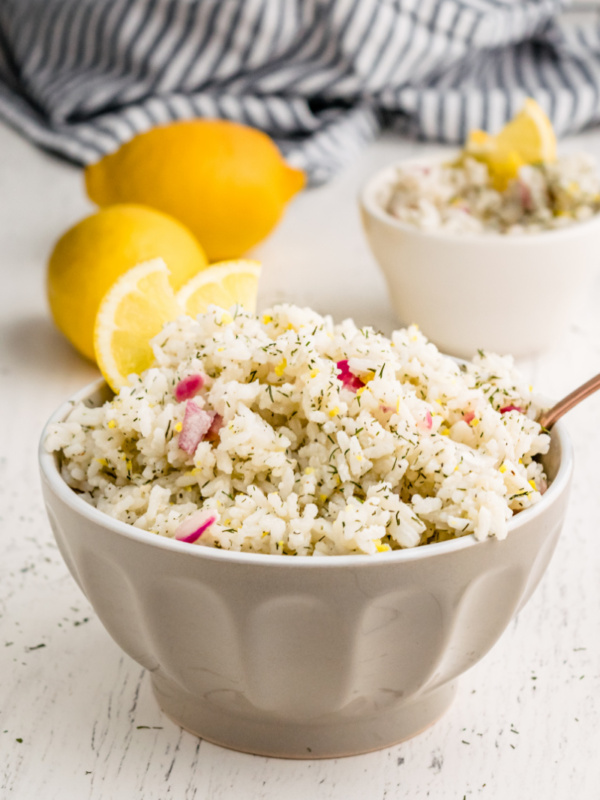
x: 77, y: 718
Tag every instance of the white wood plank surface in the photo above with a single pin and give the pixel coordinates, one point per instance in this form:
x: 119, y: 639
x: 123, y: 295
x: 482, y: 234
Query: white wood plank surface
x: 77, y: 717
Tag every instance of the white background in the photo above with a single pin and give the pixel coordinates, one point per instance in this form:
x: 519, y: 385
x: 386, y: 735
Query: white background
x: 526, y: 722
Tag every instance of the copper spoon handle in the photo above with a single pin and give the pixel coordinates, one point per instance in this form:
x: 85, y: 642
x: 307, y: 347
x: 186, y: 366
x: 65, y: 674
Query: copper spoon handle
x: 549, y: 417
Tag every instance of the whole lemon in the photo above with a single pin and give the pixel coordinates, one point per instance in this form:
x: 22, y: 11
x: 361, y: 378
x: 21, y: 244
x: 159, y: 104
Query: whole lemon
x: 90, y: 256
x: 227, y: 182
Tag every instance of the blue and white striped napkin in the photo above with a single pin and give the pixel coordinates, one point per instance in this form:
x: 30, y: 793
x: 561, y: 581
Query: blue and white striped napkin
x: 79, y: 77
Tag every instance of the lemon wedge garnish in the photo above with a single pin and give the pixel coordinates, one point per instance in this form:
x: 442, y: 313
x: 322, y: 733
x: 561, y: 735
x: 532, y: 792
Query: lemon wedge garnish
x: 527, y: 139
x: 131, y: 313
x: 224, y: 284
x: 529, y: 134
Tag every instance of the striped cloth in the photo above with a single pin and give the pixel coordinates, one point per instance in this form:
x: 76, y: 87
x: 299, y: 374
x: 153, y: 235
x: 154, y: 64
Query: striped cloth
x: 79, y: 77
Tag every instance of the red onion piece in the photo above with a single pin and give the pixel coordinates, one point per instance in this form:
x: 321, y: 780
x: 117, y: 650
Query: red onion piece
x: 188, y: 387
x: 525, y: 196
x: 426, y: 423
x: 348, y: 379
x: 192, y: 528
x: 469, y: 416
x: 212, y: 434
x: 511, y: 408
x: 196, y: 424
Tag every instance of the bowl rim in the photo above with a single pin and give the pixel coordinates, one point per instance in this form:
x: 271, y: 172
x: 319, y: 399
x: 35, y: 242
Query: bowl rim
x: 367, y: 201
x: 50, y: 472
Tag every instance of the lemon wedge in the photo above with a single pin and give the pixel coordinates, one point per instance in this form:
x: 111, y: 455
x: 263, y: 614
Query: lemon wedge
x: 224, y: 284
x: 131, y: 313
x: 527, y: 139
x: 529, y: 134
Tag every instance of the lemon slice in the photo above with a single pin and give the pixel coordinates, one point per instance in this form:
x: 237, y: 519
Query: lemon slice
x: 224, y: 284
x: 133, y: 311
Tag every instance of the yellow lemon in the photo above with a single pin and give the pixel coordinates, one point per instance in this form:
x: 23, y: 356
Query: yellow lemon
x: 90, y: 257
x: 131, y: 313
x: 223, y: 285
x: 227, y: 182
x: 527, y: 139
x: 529, y: 134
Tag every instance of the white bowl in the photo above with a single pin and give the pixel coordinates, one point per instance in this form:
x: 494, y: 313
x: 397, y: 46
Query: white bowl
x: 303, y: 657
x: 506, y: 294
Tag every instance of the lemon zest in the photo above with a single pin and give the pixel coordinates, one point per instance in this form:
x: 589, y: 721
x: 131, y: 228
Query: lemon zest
x: 381, y: 548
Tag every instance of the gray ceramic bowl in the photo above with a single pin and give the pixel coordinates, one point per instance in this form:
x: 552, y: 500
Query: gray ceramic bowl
x: 303, y: 657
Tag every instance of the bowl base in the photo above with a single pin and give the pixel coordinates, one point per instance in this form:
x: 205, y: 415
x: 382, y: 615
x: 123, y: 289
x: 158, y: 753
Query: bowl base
x: 277, y: 739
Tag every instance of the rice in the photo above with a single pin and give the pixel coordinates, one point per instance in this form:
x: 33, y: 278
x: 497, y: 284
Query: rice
x: 460, y: 197
x: 290, y: 434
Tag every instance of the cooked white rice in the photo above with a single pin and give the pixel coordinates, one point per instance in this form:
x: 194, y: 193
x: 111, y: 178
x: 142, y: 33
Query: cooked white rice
x: 460, y: 198
x: 416, y: 451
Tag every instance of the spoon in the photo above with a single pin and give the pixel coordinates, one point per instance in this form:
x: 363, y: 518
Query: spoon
x: 549, y: 417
